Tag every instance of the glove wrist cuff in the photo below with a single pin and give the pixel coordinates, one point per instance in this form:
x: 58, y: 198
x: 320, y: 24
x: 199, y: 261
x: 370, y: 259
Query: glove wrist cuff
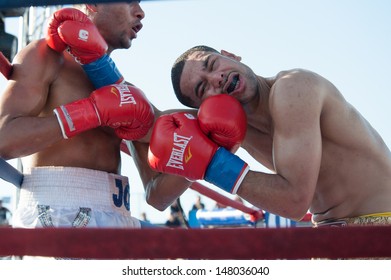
x: 77, y: 117
x: 103, y: 72
x: 226, y: 171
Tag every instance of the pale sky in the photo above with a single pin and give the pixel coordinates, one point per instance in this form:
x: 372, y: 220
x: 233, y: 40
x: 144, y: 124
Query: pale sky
x: 346, y: 41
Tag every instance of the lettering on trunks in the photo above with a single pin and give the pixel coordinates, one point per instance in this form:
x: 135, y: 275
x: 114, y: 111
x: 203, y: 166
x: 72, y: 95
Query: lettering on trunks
x: 178, y: 152
x: 126, y: 97
x: 122, y: 197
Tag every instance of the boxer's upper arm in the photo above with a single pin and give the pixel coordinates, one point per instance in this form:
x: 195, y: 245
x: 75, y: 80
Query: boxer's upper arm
x: 296, y: 104
x: 34, y: 69
x: 24, y: 99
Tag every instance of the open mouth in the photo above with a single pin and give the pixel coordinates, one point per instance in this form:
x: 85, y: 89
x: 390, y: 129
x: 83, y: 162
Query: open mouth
x: 233, y: 85
x: 136, y: 28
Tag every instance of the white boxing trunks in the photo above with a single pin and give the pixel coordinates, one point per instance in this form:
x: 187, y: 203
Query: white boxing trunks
x: 73, y: 197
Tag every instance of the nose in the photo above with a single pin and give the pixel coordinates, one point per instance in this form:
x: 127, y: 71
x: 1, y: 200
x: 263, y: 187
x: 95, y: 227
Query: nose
x: 137, y: 10
x: 216, y: 80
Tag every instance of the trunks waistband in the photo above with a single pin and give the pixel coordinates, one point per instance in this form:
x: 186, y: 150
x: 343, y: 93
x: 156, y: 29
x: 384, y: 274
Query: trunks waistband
x: 74, y: 187
x: 383, y: 214
x: 383, y: 218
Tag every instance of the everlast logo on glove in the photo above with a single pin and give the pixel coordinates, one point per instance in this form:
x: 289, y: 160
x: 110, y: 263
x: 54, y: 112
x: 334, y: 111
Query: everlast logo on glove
x: 179, y: 147
x: 177, y: 156
x: 126, y: 97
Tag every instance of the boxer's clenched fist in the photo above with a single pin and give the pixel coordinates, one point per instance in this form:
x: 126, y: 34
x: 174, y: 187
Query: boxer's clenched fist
x: 179, y: 147
x: 223, y: 119
x: 70, y: 29
x: 118, y: 106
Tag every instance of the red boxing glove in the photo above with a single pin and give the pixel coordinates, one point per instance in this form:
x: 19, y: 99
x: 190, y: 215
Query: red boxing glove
x: 119, y: 106
x: 72, y: 29
x: 84, y: 41
x: 53, y: 38
x: 223, y: 119
x: 178, y: 146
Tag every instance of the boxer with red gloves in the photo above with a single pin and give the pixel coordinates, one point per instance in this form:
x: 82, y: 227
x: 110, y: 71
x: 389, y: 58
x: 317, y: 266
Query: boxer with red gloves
x: 180, y: 145
x: 119, y: 106
x: 79, y: 179
x: 70, y: 29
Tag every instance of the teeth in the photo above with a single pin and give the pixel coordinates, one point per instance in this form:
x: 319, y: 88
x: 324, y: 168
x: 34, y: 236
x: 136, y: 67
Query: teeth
x: 233, y: 84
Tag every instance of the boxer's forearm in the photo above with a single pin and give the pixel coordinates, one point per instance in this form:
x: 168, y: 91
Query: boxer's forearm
x: 38, y: 132
x: 164, y: 189
x: 161, y: 190
x: 275, y: 194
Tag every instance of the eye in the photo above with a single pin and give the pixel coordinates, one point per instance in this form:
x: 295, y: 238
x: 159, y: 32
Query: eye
x: 202, y: 90
x: 211, y: 65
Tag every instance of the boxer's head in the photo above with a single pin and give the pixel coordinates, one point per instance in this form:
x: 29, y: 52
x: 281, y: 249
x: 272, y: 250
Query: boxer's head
x: 202, y: 71
x: 177, y: 71
x: 118, y: 23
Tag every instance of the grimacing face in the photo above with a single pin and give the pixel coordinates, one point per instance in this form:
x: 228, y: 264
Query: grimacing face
x: 206, y: 74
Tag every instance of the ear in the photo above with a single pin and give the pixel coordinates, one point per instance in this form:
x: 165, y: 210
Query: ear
x: 231, y: 55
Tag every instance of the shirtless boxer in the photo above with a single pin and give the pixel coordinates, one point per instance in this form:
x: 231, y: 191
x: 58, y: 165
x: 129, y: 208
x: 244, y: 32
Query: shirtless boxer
x: 68, y: 132
x: 323, y: 155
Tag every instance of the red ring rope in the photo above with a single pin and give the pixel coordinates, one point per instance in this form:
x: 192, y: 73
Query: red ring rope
x: 5, y: 66
x: 239, y: 243
x: 255, y: 213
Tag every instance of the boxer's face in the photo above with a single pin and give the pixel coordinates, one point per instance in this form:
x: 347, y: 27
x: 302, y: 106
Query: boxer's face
x: 205, y: 74
x: 119, y: 23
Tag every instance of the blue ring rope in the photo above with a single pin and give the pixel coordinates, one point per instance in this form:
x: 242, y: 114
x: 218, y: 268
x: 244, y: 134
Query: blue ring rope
x: 7, y: 4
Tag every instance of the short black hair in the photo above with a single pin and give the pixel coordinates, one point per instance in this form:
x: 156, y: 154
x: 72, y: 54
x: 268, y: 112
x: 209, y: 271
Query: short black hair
x: 177, y: 69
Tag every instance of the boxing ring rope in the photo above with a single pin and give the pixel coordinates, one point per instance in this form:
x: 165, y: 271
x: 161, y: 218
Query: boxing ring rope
x: 22, y: 3
x: 5, y: 66
x: 207, y: 244
x: 255, y: 214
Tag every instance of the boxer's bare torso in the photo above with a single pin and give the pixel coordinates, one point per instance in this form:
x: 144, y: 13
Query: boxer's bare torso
x: 353, y: 176
x: 42, y: 80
